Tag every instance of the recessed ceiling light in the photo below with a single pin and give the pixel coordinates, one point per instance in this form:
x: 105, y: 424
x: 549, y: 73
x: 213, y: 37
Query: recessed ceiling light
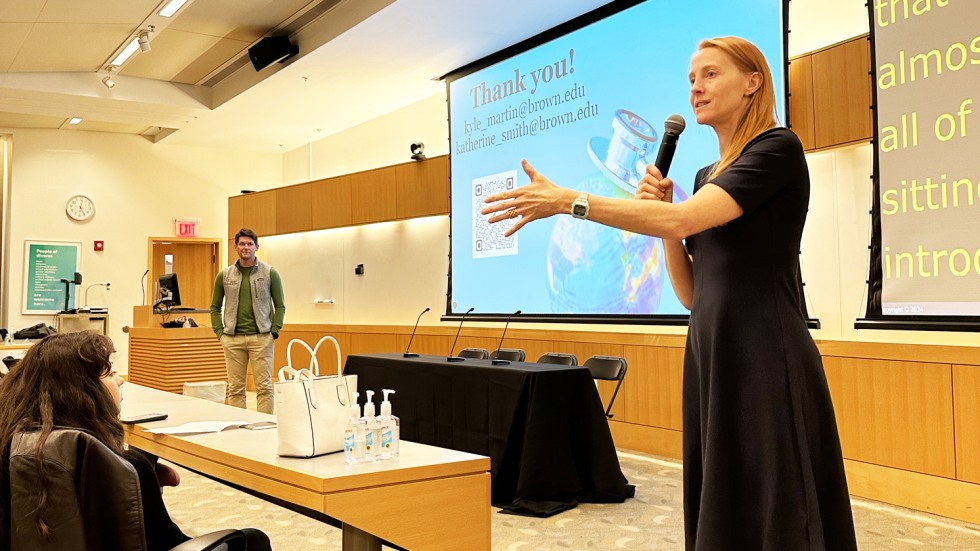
x: 172, y: 8
x: 75, y: 120
x: 128, y: 51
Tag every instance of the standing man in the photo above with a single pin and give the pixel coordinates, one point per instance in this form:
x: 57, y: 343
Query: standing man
x: 254, y: 308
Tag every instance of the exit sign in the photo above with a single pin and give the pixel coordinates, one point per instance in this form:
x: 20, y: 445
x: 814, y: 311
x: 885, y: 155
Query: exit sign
x: 186, y: 227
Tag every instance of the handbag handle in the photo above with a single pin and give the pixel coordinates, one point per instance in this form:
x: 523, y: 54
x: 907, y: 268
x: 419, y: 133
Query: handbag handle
x: 314, y: 363
x: 336, y: 346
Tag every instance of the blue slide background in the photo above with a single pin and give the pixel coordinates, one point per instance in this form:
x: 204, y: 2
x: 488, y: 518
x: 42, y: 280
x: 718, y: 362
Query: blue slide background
x: 636, y: 60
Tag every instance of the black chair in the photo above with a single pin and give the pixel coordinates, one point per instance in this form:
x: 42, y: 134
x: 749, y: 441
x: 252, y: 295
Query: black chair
x: 96, y: 492
x: 474, y: 353
x: 558, y: 358
x: 509, y: 354
x: 608, y: 368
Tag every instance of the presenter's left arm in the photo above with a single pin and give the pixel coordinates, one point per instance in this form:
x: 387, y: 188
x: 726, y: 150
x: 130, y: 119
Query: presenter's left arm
x: 279, y: 301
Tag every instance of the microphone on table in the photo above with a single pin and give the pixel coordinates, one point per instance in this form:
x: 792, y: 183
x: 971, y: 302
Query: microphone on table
x: 450, y: 357
x: 673, y: 127
x: 408, y: 354
x: 496, y: 360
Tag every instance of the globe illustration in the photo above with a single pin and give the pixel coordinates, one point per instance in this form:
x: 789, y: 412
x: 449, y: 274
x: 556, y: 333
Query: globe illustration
x: 595, y: 269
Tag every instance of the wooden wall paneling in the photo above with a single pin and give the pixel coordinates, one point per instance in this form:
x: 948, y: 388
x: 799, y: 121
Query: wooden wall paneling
x: 653, y: 395
x: 326, y: 356
x: 932, y: 494
x: 966, y: 415
x: 801, y: 99
x: 260, y: 213
x: 842, y: 93
x: 331, y: 202
x: 584, y: 350
x: 372, y: 343
x: 896, y: 414
x: 294, y: 208
x: 436, y: 345
x: 236, y: 214
x: 422, y: 188
x: 533, y: 349
x: 373, y: 196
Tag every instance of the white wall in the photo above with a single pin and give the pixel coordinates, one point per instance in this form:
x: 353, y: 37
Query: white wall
x: 138, y: 188
x: 835, y: 243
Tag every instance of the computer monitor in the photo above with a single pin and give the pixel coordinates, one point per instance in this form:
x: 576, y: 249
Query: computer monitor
x: 169, y: 291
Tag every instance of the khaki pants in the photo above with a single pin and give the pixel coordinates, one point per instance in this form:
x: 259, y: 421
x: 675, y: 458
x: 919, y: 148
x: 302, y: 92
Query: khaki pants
x: 239, y: 350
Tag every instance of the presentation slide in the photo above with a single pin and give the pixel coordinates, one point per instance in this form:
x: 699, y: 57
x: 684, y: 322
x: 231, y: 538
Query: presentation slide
x: 587, y: 109
x: 927, y: 72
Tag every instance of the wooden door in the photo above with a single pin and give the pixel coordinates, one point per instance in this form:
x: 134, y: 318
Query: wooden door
x: 194, y: 261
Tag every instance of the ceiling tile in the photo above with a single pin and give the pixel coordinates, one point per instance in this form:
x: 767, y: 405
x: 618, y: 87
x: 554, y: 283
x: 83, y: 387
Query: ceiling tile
x: 245, y: 20
x: 68, y: 47
x: 12, y: 36
x: 97, y: 12
x: 21, y: 11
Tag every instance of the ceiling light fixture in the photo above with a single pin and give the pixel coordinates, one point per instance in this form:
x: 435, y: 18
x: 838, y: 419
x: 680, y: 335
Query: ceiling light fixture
x: 171, y: 8
x: 144, y: 41
x: 75, y: 120
x: 109, y: 83
x: 127, y: 52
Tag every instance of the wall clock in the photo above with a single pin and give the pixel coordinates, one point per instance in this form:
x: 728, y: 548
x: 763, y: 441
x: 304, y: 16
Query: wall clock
x: 80, y: 207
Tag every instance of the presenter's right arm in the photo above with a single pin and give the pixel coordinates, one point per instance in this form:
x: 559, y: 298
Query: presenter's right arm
x: 217, y: 298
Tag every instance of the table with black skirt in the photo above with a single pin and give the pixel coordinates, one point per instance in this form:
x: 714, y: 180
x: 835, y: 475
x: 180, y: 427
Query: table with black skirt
x: 542, y: 425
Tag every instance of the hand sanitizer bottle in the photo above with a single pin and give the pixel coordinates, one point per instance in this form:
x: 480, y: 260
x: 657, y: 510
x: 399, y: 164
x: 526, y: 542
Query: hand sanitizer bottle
x: 390, y: 426
x: 372, y: 438
x: 354, y: 435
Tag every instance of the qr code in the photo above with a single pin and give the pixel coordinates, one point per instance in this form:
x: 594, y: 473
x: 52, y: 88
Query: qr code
x: 488, y: 239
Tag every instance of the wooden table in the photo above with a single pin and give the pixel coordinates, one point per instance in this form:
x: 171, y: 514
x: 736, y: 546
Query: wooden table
x: 429, y: 498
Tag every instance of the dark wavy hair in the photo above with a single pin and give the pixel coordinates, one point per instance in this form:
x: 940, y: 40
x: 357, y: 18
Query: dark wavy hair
x: 58, y: 384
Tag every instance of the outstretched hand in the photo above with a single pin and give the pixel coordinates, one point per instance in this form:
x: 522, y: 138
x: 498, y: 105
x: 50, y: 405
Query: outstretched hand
x: 539, y: 199
x: 655, y: 186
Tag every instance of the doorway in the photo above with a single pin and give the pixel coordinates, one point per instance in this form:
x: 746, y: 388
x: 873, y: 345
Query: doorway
x: 195, y: 260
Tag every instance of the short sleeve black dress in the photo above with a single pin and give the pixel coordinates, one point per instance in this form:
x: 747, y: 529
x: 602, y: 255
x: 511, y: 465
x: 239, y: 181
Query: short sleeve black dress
x: 762, y: 457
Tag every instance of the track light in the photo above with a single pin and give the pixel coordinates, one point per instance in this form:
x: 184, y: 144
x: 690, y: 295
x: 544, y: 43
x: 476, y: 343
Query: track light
x: 417, y: 149
x: 144, y: 41
x: 109, y: 83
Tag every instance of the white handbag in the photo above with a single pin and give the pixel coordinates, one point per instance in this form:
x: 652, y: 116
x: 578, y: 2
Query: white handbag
x: 312, y: 411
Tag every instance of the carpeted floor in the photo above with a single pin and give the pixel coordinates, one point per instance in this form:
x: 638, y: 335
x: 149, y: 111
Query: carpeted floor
x: 652, y: 520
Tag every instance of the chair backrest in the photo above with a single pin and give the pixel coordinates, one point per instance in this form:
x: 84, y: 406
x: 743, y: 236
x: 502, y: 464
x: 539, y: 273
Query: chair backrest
x: 475, y: 353
x: 107, y: 487
x: 94, y: 501
x: 558, y: 358
x: 608, y: 368
x: 509, y: 354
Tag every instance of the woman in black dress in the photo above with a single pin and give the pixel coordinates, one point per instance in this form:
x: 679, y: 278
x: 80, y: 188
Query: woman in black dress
x: 762, y: 459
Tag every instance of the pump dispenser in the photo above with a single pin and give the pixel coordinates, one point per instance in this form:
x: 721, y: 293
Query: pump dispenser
x: 390, y: 428
x: 372, y: 439
x: 354, y: 434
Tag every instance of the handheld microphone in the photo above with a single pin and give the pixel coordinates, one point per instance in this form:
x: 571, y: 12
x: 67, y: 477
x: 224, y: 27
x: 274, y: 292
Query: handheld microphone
x: 408, y: 354
x: 673, y: 127
x: 495, y: 360
x: 450, y: 357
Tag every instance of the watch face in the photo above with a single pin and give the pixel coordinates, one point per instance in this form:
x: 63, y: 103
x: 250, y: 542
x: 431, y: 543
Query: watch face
x: 80, y: 207
x: 579, y: 210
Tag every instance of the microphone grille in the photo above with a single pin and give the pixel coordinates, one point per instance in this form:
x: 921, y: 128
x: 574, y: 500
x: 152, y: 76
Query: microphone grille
x: 675, y: 123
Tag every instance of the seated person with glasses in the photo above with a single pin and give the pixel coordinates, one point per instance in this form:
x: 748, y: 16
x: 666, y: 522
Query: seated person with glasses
x: 66, y: 381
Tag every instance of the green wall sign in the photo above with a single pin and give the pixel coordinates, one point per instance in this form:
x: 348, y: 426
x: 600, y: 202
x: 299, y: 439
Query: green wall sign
x: 46, y: 263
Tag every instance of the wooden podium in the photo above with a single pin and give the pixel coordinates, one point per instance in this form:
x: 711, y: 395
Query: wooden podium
x: 166, y: 358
